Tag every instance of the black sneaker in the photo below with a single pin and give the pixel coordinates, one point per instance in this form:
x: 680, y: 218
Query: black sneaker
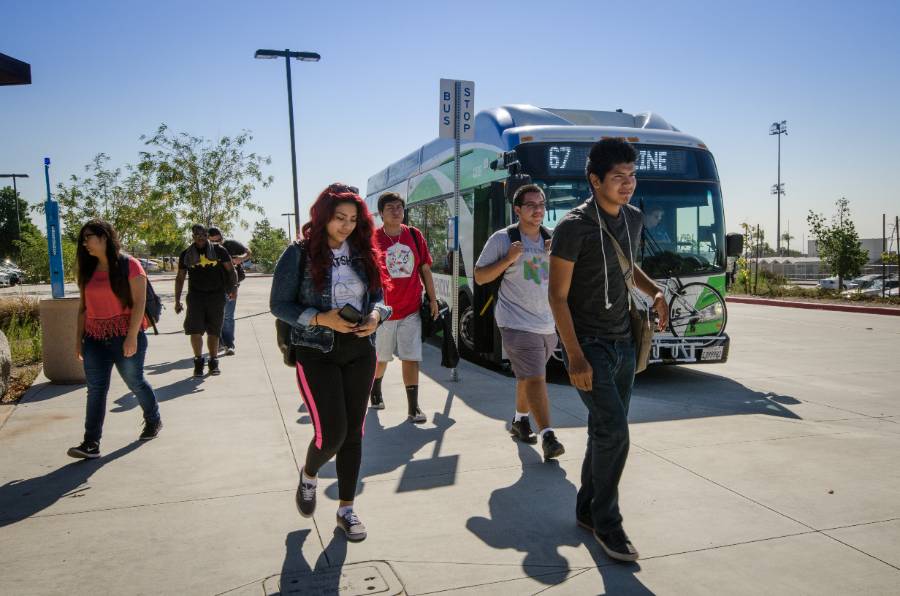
x: 87, y: 450
x: 417, y: 418
x: 352, y: 527
x: 617, y: 545
x: 229, y: 351
x: 377, y: 402
x: 151, y: 430
x: 521, y: 430
x: 552, y: 447
x: 306, y: 497
x: 199, y: 363
x: 214, y: 366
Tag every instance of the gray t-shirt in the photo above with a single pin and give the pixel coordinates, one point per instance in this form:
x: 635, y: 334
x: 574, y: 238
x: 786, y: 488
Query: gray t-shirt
x: 577, y: 239
x: 522, y: 302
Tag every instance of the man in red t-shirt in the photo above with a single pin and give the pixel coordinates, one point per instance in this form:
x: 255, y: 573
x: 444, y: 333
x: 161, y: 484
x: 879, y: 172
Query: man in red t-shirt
x: 407, y: 262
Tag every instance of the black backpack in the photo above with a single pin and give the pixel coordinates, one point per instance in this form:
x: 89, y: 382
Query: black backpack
x: 283, y: 329
x: 485, y: 298
x: 153, y: 305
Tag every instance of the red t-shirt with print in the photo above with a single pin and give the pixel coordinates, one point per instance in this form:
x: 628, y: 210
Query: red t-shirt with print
x: 402, y: 259
x: 104, y: 315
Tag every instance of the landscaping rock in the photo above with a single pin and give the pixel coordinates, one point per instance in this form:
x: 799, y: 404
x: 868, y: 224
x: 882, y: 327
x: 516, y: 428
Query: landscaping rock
x: 5, y: 363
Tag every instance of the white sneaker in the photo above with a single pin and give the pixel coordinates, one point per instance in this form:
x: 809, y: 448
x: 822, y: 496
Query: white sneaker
x: 352, y: 527
x: 229, y: 351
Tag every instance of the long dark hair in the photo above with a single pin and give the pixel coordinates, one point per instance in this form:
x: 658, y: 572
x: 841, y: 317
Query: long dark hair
x: 361, y: 240
x: 87, y: 264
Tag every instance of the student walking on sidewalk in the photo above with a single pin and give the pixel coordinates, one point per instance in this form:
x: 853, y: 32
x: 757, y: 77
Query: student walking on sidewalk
x: 406, y: 259
x: 328, y: 287
x: 211, y: 280
x: 590, y: 301
x: 518, y: 255
x: 113, y: 292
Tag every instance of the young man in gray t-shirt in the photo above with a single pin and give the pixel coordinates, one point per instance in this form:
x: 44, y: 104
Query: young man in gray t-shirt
x: 523, y: 313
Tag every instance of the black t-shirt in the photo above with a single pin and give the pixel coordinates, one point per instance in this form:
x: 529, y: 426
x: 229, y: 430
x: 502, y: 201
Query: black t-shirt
x: 234, y: 249
x: 207, y: 276
x: 577, y: 238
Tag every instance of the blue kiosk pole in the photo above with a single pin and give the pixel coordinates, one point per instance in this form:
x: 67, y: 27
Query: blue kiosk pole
x: 54, y: 240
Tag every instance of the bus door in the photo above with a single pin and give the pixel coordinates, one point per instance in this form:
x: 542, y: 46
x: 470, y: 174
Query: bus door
x: 490, y: 215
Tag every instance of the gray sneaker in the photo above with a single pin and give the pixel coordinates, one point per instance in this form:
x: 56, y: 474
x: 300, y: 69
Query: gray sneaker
x: 306, y: 497
x: 352, y: 527
x: 418, y: 417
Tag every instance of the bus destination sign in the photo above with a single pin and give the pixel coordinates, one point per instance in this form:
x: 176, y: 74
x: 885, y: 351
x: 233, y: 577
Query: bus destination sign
x: 651, y: 162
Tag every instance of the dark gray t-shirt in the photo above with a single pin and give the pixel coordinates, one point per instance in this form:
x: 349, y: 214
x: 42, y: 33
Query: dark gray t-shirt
x: 577, y: 238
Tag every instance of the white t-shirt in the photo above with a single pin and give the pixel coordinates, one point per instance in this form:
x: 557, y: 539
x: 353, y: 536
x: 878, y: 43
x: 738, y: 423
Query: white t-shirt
x: 346, y: 286
x: 522, y: 302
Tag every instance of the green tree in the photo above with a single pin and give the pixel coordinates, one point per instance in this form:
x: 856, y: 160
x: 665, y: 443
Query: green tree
x: 786, y: 238
x: 10, y: 222
x: 207, y: 182
x: 35, y: 260
x: 837, y: 242
x: 267, y: 245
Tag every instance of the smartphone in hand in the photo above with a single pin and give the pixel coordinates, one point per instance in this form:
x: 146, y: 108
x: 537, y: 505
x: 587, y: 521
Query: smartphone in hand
x: 350, y: 314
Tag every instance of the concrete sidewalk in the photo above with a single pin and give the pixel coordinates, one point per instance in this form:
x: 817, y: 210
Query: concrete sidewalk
x: 776, y: 473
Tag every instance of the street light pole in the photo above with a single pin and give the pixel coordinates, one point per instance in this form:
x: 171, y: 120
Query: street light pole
x: 16, y: 204
x: 289, y: 215
x: 778, y: 129
x: 305, y: 57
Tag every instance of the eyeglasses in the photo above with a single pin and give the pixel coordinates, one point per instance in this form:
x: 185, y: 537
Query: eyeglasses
x: 535, y: 206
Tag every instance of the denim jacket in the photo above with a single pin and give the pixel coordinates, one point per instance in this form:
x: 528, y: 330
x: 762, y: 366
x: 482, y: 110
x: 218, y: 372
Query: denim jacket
x: 296, y: 301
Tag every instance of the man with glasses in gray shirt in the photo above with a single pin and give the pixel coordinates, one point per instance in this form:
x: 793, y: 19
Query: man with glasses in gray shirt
x: 519, y: 254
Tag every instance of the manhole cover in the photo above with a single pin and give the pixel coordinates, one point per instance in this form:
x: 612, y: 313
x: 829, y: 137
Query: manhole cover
x: 350, y: 580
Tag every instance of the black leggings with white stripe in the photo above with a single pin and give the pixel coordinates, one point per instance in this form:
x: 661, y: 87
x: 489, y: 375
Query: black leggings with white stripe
x: 335, y: 387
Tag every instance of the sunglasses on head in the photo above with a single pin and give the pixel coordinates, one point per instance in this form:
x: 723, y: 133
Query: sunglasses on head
x: 341, y: 188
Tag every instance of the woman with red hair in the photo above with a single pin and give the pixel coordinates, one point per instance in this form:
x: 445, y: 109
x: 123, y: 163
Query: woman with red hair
x: 328, y: 287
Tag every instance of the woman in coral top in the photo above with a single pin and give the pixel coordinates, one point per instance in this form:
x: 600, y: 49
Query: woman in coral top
x: 111, y: 325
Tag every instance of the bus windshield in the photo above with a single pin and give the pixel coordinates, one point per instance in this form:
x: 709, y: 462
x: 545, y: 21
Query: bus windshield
x: 684, y: 228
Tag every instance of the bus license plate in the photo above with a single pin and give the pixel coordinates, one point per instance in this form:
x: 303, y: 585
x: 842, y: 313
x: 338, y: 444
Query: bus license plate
x: 714, y: 353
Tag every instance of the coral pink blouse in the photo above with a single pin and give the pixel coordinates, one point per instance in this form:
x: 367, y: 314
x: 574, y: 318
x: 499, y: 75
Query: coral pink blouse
x: 104, y: 316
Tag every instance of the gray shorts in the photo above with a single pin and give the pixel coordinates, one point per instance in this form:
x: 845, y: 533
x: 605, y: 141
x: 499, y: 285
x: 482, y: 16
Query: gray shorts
x: 402, y: 337
x: 528, y: 352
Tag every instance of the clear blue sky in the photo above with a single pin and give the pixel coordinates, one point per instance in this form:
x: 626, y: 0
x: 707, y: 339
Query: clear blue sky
x: 106, y: 72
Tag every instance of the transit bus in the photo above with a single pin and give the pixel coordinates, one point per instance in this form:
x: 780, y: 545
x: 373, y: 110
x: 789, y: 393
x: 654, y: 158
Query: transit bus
x: 678, y: 190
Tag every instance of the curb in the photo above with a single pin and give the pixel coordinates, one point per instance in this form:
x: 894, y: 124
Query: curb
x: 868, y: 310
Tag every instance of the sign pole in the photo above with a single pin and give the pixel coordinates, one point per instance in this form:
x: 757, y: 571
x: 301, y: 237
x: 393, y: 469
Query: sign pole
x: 457, y: 88
x: 54, y: 246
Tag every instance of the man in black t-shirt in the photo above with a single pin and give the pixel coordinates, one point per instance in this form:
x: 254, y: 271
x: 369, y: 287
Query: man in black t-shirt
x: 590, y: 301
x: 211, y: 277
x: 239, y: 253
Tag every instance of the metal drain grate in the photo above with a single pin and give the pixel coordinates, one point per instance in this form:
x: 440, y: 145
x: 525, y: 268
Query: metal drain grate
x: 351, y: 580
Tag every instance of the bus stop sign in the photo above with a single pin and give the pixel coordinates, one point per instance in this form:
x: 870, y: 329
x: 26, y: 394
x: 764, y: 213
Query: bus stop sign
x: 448, y: 109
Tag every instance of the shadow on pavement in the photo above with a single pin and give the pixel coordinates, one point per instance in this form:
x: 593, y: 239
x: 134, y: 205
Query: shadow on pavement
x: 174, y: 390
x: 389, y: 448
x: 164, y: 367
x: 44, y: 391
x: 536, y: 516
x: 20, y: 499
x: 660, y: 393
x: 299, y: 577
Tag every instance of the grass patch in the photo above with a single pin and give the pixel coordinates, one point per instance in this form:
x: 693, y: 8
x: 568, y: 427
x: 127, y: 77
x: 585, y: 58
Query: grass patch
x: 20, y: 321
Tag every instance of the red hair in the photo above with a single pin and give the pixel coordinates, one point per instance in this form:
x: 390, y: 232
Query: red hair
x: 361, y: 240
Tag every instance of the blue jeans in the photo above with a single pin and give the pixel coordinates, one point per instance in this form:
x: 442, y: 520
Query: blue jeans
x: 227, y: 334
x: 613, y: 363
x: 99, y: 357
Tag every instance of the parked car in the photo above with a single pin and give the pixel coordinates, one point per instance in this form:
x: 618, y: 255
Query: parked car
x: 4, y: 280
x: 831, y: 283
x: 16, y: 276
x: 873, y: 288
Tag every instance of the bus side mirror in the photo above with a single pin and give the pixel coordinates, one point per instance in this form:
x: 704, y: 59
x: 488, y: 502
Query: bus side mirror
x: 734, y: 245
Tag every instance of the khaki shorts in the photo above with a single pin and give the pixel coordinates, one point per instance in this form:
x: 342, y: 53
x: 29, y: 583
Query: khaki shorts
x: 402, y: 337
x: 528, y: 352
